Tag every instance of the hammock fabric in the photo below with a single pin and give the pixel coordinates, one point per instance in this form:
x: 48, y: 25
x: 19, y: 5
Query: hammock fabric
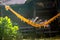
x: 30, y: 22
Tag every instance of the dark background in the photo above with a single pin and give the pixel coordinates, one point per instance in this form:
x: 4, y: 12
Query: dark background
x: 31, y: 10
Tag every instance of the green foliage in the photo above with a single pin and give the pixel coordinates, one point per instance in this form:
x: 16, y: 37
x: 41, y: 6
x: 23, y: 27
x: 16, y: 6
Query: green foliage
x: 7, y: 29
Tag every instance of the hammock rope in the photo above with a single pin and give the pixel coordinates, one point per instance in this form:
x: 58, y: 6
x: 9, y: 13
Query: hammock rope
x: 30, y: 22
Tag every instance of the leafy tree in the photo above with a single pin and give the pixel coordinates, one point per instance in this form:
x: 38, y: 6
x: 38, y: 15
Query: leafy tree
x: 7, y: 29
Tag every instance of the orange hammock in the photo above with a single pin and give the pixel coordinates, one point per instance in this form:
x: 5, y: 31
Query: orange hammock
x: 30, y: 22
